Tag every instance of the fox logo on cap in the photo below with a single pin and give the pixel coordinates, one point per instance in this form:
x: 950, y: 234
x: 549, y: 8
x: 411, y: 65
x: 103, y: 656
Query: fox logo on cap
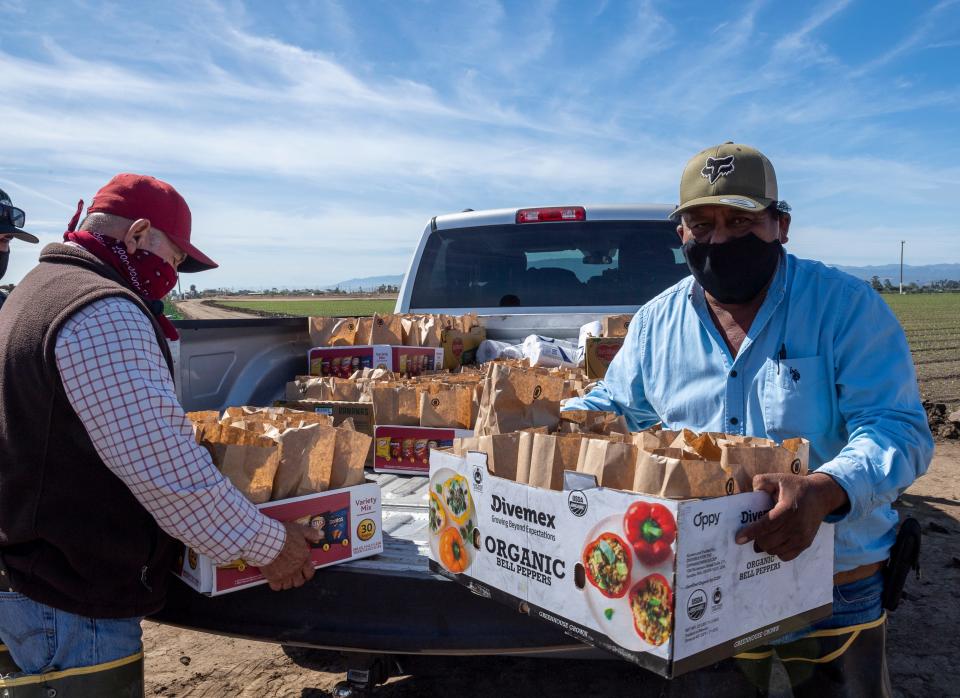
x: 717, y: 168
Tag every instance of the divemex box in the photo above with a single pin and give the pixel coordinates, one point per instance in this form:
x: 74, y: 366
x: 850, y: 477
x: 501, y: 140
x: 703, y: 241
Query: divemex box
x: 658, y: 582
x: 350, y: 526
x: 406, y: 450
x: 343, y: 362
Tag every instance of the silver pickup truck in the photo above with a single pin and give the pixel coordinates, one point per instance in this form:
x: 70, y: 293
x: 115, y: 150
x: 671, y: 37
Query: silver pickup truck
x: 540, y: 270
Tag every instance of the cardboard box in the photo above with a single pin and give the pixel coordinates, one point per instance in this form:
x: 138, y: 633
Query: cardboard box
x: 343, y: 362
x: 412, y: 361
x: 598, y: 355
x: 460, y: 348
x: 350, y: 518
x: 703, y: 597
x: 406, y: 450
x: 360, y: 412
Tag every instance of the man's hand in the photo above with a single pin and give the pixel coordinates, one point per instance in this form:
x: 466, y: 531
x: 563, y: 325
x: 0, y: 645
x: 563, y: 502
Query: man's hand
x: 293, y: 565
x: 801, y: 504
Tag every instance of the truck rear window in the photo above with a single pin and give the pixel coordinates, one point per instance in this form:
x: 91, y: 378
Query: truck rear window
x: 548, y: 264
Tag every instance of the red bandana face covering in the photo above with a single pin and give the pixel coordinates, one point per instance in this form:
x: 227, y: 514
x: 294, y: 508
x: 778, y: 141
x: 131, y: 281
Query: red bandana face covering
x: 148, y: 275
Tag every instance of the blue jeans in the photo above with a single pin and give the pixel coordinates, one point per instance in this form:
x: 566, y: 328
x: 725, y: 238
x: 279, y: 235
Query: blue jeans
x: 853, y: 604
x: 41, y: 638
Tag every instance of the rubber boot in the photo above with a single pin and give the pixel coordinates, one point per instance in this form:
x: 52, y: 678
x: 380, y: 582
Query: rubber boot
x: 843, y: 663
x: 122, y: 678
x: 7, y: 665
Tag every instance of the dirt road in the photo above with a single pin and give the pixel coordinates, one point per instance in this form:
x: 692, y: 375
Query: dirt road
x: 923, y: 640
x: 198, y: 310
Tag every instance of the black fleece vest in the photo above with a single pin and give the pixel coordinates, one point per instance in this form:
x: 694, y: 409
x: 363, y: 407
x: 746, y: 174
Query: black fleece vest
x: 72, y: 535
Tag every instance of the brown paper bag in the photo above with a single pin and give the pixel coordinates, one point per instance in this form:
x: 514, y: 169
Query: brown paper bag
x: 364, y: 330
x: 324, y: 389
x: 746, y: 459
x: 654, y: 438
x: 550, y: 455
x: 332, y: 331
x: 410, y: 328
x: 395, y: 403
x: 386, y: 329
x: 447, y: 406
x: 592, y: 422
x: 507, y: 454
x: 616, y: 325
x: 431, y: 330
x: 203, y: 416
x: 516, y: 398
x: 247, y: 459
x: 349, y: 456
x: 612, y: 461
x: 679, y: 474
x: 306, y: 461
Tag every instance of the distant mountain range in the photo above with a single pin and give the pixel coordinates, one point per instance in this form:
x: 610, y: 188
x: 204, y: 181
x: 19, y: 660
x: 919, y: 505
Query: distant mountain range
x: 922, y: 274
x: 368, y: 283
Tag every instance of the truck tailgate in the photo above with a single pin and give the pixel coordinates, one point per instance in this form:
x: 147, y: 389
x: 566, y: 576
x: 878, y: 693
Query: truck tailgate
x: 389, y: 603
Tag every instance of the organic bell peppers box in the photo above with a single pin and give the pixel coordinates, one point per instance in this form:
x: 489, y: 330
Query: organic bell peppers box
x: 351, y: 528
x: 412, y: 361
x: 658, y: 582
x: 343, y: 362
x: 406, y: 450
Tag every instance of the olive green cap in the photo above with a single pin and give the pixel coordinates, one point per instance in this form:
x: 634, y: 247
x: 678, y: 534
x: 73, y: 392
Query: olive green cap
x: 730, y: 174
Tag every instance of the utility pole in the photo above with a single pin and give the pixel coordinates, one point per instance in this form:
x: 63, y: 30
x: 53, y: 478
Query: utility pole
x: 901, y: 266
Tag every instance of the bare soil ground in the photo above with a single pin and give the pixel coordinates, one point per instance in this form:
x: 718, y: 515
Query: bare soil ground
x: 923, y: 642
x: 198, y: 310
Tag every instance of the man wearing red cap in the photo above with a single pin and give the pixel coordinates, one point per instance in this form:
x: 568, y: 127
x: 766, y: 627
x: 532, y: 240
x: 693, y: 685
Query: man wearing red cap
x: 99, y: 471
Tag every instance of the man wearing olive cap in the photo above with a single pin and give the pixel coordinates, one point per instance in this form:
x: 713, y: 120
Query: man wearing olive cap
x: 758, y: 342
x: 12, y: 220
x: 99, y: 470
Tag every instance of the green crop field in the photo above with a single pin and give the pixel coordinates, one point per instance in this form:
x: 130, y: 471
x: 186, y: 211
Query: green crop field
x: 334, y: 307
x: 171, y: 311
x: 932, y: 324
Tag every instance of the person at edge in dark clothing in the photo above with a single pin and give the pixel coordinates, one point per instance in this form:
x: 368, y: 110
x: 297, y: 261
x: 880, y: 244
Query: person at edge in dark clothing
x: 99, y: 470
x: 12, y: 220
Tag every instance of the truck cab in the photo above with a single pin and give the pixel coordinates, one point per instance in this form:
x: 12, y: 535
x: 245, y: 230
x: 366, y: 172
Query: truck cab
x: 544, y: 270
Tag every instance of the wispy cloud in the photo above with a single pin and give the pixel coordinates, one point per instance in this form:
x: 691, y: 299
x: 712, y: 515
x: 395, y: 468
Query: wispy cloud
x: 929, y: 29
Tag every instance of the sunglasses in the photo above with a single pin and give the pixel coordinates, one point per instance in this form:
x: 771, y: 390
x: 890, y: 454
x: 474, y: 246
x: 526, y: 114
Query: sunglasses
x: 13, y: 214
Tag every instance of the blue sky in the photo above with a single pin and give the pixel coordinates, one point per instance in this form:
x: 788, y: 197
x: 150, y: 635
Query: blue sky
x: 314, y: 139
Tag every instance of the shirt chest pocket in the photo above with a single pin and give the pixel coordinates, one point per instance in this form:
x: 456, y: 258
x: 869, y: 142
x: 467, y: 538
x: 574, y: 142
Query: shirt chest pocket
x: 797, y: 398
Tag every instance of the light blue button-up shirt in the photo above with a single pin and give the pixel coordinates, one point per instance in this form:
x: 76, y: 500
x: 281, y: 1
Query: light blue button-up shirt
x: 824, y: 359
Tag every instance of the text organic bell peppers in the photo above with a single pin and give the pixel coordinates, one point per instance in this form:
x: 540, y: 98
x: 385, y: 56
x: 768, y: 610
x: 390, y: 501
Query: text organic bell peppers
x: 651, y: 529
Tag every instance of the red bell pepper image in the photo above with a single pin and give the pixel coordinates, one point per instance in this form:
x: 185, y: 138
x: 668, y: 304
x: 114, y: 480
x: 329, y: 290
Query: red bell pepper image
x: 651, y: 529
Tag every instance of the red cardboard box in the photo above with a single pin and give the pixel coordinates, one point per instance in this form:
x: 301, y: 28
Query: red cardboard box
x: 350, y: 519
x: 343, y: 362
x: 406, y: 450
x: 412, y: 361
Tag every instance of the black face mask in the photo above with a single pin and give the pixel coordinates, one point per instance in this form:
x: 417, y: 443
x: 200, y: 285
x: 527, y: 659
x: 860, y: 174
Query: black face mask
x: 735, y: 271
x: 4, y: 257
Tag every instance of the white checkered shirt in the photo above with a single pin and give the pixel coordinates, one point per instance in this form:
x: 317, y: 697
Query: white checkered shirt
x: 119, y: 385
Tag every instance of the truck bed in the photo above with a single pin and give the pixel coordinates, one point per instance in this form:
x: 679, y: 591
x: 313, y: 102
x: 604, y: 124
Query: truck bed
x: 390, y: 603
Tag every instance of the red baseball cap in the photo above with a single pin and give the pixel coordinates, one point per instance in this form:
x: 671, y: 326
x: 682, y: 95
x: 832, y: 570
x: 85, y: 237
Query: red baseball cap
x: 141, y: 196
